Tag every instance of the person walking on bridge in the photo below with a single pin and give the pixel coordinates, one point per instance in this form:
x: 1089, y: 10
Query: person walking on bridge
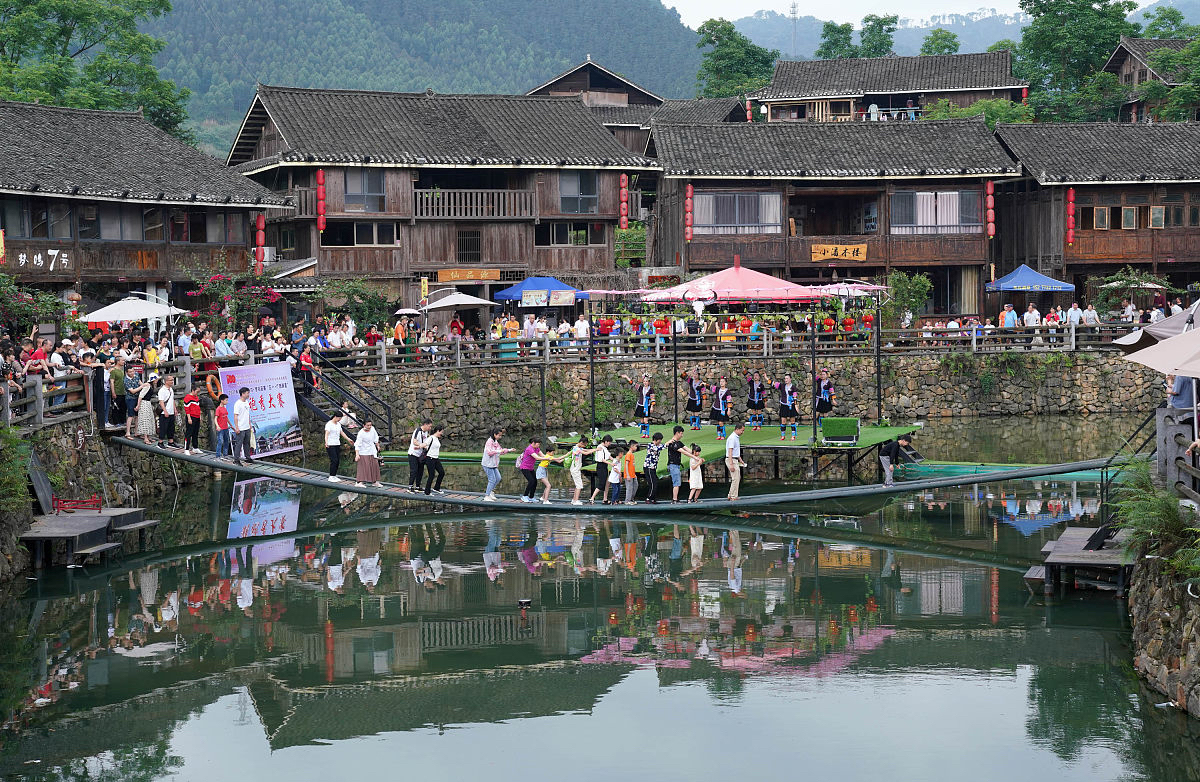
x: 241, y: 426
x: 366, y: 456
x: 417, y: 443
x: 333, y: 444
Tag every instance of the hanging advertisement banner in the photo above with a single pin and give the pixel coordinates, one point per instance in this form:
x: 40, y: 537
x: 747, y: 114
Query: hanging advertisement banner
x: 274, y: 418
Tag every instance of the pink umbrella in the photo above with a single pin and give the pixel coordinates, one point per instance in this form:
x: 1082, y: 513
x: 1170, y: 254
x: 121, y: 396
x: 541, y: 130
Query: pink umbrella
x: 736, y: 284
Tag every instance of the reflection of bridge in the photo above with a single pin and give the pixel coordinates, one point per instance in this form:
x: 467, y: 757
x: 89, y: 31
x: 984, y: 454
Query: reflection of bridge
x: 391, y: 491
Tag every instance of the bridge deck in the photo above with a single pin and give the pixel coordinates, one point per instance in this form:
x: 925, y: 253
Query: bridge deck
x: 319, y: 479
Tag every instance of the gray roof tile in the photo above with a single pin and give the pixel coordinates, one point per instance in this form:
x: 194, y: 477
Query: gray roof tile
x: 426, y: 129
x: 111, y: 155
x: 797, y: 150
x: 1106, y: 151
x: 879, y: 75
x: 1144, y: 49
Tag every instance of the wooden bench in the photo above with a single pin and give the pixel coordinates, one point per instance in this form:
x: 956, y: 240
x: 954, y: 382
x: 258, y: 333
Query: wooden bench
x: 100, y: 549
x: 140, y: 527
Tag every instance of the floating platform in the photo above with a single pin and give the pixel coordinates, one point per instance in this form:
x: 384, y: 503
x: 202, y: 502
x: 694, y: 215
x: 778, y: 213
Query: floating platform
x: 391, y: 491
x: 1069, y: 559
x: 711, y: 448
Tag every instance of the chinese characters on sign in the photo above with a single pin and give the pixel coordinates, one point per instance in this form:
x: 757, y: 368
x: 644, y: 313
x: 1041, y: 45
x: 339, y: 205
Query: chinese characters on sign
x: 50, y: 260
x: 468, y: 275
x: 839, y: 252
x: 274, y: 419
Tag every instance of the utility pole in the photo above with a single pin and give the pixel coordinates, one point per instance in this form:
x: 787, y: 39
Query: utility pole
x: 794, y: 15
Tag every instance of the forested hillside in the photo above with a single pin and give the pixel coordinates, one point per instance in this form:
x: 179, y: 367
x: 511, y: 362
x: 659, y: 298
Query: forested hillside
x: 220, y: 48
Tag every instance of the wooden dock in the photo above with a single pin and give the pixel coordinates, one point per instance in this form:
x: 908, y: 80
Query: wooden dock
x: 319, y: 479
x: 86, y: 533
x: 1068, y: 560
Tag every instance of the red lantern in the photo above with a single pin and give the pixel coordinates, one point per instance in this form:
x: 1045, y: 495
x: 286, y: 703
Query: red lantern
x: 688, y: 191
x: 687, y: 220
x: 1070, y: 236
x: 320, y: 192
x: 1024, y: 94
x: 1070, y: 195
x: 848, y: 323
x: 260, y: 222
x: 259, y: 254
x: 749, y: 113
x: 853, y: 614
x: 624, y: 195
x: 751, y: 633
x: 687, y: 205
x: 991, y: 215
x: 989, y: 187
x: 624, y: 180
x: 833, y: 627
x: 260, y: 238
x: 687, y: 234
x: 320, y: 208
x: 868, y: 318
x: 1070, y: 221
x: 321, y: 222
x: 664, y: 627
x: 1070, y: 208
x: 320, y: 176
x: 830, y: 323
x: 991, y: 230
x: 990, y: 202
x: 624, y: 209
x: 623, y: 222
x: 612, y: 617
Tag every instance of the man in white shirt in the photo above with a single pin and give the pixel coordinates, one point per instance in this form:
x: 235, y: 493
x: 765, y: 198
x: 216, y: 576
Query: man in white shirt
x: 733, y: 459
x: 1128, y: 311
x: 581, y: 331
x: 1176, y: 306
x: 185, y: 340
x: 416, y: 453
x: 166, y: 414
x: 333, y: 444
x: 241, y: 426
x: 1074, y: 315
x: 1032, y: 319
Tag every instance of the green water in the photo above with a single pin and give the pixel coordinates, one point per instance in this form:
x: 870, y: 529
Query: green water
x: 895, y: 642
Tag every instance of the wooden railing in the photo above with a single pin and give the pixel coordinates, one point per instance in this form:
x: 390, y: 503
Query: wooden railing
x: 304, y: 199
x: 474, y: 204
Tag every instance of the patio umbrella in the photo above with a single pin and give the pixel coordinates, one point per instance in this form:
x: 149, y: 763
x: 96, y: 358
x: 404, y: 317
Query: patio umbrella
x: 406, y: 311
x: 1179, y: 356
x: 457, y: 300
x: 132, y: 308
x: 736, y: 284
x: 1171, y: 326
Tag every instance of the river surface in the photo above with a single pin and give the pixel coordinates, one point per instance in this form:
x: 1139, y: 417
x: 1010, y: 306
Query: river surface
x: 275, y: 632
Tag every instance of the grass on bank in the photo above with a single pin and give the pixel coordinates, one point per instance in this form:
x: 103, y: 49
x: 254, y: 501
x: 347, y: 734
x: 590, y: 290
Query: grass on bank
x: 1158, y: 524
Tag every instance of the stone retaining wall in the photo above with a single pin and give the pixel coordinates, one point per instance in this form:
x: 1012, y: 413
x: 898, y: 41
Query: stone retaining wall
x: 1166, y: 634
x: 469, y: 401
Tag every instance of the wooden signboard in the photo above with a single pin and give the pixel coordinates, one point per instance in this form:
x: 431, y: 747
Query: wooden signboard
x: 468, y: 275
x: 839, y: 252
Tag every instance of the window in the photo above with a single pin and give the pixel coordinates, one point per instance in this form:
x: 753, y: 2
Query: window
x: 469, y: 246
x: 568, y: 234
x: 235, y: 228
x: 1129, y: 218
x: 287, y: 239
x: 1194, y: 216
x: 364, y: 190
x: 110, y: 222
x: 1102, y: 215
x: 1141, y: 77
x: 1175, y: 216
x: 737, y: 213
x: 179, y: 225
x: 12, y: 218
x: 346, y: 234
x: 577, y: 191
x: 153, y: 229
x: 788, y: 112
x: 50, y: 219
x: 1158, y: 217
x: 1127, y: 78
x: 945, y: 212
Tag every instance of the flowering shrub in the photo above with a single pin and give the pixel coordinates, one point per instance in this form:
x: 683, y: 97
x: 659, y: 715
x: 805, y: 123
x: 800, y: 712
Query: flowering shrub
x: 230, y: 300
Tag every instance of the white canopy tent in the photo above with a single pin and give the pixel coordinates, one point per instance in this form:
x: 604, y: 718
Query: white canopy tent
x: 132, y: 308
x: 457, y: 300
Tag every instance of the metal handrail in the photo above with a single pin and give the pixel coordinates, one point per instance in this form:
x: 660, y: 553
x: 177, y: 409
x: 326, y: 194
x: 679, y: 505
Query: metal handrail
x: 386, y: 409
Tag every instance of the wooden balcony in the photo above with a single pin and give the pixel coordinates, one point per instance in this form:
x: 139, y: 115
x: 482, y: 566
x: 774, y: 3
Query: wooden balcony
x: 1141, y: 246
x: 775, y: 250
x: 40, y: 260
x: 305, y: 201
x: 439, y: 204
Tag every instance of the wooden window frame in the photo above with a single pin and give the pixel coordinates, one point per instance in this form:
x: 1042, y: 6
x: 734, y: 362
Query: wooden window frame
x: 1158, y: 217
x: 1125, y: 212
x: 1107, y: 222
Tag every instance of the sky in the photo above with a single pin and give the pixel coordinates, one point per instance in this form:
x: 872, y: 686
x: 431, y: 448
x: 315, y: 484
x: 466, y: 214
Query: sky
x: 694, y: 12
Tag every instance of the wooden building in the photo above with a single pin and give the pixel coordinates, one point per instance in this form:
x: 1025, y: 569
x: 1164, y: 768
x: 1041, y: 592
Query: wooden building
x: 105, y: 201
x: 884, y: 88
x: 1137, y: 199
x: 808, y: 201
x: 1133, y: 63
x: 479, y: 191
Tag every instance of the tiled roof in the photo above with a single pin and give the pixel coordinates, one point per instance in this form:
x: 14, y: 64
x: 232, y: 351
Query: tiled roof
x: 700, y: 110
x: 114, y: 155
x: 637, y: 114
x: 800, y: 150
x: 1106, y: 151
x: 877, y: 75
x: 588, y: 63
x: 426, y: 129
x: 1144, y: 50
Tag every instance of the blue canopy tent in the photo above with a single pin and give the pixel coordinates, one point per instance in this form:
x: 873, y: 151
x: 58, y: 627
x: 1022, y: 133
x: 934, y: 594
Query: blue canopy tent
x: 1025, y: 279
x: 534, y: 286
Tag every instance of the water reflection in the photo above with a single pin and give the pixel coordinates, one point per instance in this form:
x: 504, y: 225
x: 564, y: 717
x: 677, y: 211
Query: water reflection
x: 327, y: 621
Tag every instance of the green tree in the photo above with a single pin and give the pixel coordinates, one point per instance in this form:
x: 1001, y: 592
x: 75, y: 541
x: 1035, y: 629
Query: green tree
x: 993, y: 110
x: 233, y: 298
x: 1124, y: 284
x: 1167, y: 21
x: 88, y: 54
x: 940, y: 41
x: 731, y: 64
x: 1064, y: 45
x: 1003, y: 45
x: 837, y: 42
x: 875, y: 36
x: 22, y: 308
x: 363, y: 301
x: 1177, y: 103
x: 906, y: 293
x: 1101, y: 98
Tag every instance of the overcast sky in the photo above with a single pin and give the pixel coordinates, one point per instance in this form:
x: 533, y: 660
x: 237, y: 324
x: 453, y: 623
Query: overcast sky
x: 696, y: 11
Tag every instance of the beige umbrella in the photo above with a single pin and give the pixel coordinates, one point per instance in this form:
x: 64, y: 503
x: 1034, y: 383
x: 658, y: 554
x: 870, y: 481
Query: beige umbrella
x: 1178, y: 356
x: 1171, y: 326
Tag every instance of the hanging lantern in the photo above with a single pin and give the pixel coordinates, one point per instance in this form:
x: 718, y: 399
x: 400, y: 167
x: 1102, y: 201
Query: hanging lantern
x: 612, y: 617
x: 853, y: 614
x: 688, y: 191
x: 664, y: 627
x: 623, y: 222
x: 868, y: 318
x: 749, y: 113
x: 1024, y: 95
x: 687, y: 234
x: 687, y: 220
x: 848, y: 323
x: 687, y: 204
x: 624, y: 209
x: 320, y: 200
x: 624, y: 180
x: 624, y: 195
x: 991, y: 215
x: 1070, y: 236
x: 751, y: 633
x: 1070, y: 208
x: 833, y: 628
x: 1070, y: 222
x: 991, y: 230
x: 989, y: 187
x: 321, y: 223
x: 990, y: 202
x: 1070, y: 195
